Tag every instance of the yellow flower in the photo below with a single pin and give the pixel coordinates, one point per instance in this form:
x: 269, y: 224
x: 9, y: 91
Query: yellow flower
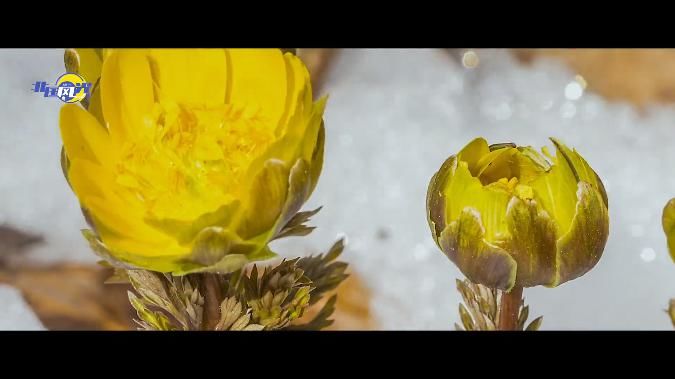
x: 507, y: 216
x: 191, y: 160
x: 668, y: 222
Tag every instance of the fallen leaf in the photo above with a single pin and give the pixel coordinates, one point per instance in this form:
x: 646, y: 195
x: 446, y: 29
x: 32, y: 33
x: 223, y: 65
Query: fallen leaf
x: 641, y: 76
x: 73, y: 296
x: 14, y: 241
x: 352, y: 310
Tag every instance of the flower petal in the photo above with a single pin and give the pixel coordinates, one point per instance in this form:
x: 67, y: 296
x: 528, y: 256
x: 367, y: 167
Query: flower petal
x: 259, y: 78
x: 315, y: 122
x: 127, y: 95
x: 668, y: 221
x: 463, y: 190
x: 581, y: 247
x: 219, y: 250
x: 473, y: 152
x: 532, y: 242
x: 83, y: 137
x: 317, y: 158
x: 463, y: 241
x: 95, y: 107
x: 497, y: 164
x: 124, y: 260
x: 119, y: 222
x: 555, y: 191
x: 299, y: 189
x: 580, y: 168
x: 196, y: 76
x: 90, y: 63
x: 185, y: 231
x: 436, y: 196
x: 299, y: 90
x: 266, y: 198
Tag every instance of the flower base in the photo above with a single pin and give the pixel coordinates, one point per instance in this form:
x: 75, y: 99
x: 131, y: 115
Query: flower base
x: 256, y: 299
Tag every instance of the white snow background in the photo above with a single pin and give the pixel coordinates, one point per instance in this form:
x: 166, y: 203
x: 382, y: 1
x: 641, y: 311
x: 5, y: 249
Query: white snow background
x: 393, y: 116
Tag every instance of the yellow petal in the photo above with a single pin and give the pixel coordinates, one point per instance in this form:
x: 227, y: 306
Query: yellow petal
x: 195, y: 76
x: 95, y: 107
x: 299, y: 91
x: 299, y: 141
x: 186, y: 231
x: 161, y: 258
x: 84, y: 185
x: 312, y: 131
x: 556, y: 192
x: 91, y: 61
x: 83, y: 136
x: 580, y: 168
x: 463, y: 190
x: 473, y: 152
x: 267, y: 197
x: 127, y: 94
x: 118, y: 220
x: 259, y: 78
x: 496, y: 165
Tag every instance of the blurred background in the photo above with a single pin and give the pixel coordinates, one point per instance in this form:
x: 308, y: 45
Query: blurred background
x: 393, y: 116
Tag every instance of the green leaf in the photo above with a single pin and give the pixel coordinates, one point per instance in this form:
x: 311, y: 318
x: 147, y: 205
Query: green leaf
x: 119, y: 276
x: 321, y: 320
x: 100, y: 249
x: 323, y: 271
x: 536, y: 324
x: 151, y: 320
x: 464, y: 315
x: 295, y: 226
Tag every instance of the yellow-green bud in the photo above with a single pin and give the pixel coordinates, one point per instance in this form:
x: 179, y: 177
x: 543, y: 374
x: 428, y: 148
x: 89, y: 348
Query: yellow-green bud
x: 509, y: 216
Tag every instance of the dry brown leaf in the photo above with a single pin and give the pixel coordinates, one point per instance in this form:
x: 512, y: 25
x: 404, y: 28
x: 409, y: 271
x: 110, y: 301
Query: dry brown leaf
x: 641, y: 76
x: 73, y: 296
x: 14, y: 241
x: 352, y: 311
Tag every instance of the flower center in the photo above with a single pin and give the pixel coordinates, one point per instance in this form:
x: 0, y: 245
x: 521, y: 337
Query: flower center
x: 190, y: 158
x: 509, y: 170
x: 512, y: 186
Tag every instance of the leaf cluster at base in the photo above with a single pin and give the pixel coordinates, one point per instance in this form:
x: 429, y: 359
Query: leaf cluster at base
x: 269, y: 298
x: 480, y: 310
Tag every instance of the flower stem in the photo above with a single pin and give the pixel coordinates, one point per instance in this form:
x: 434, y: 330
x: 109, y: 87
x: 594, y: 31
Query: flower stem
x: 212, y: 297
x: 509, y: 307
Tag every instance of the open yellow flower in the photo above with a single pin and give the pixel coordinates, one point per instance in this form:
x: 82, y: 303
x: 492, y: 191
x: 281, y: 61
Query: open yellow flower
x: 507, y: 216
x: 191, y: 160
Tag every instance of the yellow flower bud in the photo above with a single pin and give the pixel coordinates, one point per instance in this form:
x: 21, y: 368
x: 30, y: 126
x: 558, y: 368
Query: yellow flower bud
x: 668, y: 222
x: 508, y: 216
x: 191, y: 160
